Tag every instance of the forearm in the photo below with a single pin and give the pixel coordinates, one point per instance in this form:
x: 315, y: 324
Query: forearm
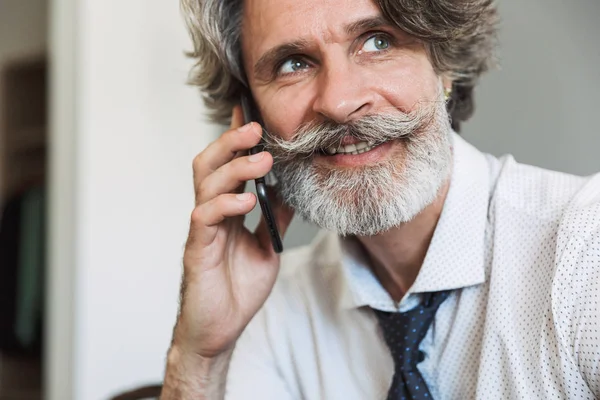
x: 195, y: 377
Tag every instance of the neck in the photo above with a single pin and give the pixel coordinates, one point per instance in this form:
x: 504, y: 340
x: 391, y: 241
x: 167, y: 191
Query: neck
x: 398, y: 254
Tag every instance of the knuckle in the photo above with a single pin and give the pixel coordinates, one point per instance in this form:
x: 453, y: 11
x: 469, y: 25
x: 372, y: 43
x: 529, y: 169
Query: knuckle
x: 197, y: 216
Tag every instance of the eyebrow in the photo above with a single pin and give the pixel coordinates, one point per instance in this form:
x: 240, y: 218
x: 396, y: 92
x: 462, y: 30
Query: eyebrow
x: 366, y: 24
x: 264, y: 64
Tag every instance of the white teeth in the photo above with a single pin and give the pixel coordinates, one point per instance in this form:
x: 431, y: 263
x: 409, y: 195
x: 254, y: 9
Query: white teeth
x: 356, y: 148
x: 349, y: 148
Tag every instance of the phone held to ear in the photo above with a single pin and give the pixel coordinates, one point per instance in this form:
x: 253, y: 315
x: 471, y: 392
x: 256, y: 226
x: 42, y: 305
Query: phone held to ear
x: 251, y: 114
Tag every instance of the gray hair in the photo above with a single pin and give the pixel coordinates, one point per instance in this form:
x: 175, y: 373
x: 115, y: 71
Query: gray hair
x: 459, y: 36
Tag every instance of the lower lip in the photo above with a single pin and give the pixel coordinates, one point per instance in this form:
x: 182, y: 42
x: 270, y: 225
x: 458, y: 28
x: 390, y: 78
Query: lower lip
x: 372, y: 156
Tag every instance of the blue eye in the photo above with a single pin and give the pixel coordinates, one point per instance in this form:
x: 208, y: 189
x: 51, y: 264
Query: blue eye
x: 376, y: 43
x: 292, y: 65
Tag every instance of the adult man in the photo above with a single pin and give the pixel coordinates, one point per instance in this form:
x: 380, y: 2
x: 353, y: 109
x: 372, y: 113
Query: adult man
x: 449, y: 274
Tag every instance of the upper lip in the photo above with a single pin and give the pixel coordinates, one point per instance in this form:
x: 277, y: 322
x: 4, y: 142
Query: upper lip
x: 350, y: 140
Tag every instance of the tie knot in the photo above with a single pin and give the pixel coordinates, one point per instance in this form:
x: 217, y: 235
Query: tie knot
x: 403, y: 332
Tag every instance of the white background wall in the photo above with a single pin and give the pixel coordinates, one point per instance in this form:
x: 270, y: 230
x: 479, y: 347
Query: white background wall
x: 126, y: 130
x: 139, y: 130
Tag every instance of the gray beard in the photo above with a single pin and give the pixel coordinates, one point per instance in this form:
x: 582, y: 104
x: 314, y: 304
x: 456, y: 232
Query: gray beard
x: 372, y: 199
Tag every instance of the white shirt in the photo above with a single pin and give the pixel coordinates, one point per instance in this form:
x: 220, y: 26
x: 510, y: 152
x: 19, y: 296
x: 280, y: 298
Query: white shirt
x: 520, y: 245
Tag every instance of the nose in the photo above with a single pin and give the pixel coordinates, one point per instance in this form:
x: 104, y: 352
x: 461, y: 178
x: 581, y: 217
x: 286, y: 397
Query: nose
x: 342, y: 95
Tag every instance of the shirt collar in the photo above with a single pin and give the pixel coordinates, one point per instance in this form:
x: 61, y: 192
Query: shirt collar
x: 455, y: 258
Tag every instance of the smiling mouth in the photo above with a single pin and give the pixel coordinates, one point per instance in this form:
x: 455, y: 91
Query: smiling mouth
x: 351, y: 149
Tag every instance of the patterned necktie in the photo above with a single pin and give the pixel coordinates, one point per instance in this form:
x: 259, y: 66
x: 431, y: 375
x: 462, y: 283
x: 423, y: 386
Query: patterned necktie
x: 403, y: 332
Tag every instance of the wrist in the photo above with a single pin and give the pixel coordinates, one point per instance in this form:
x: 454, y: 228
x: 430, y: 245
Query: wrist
x: 179, y: 357
x: 207, y: 348
x: 191, y: 376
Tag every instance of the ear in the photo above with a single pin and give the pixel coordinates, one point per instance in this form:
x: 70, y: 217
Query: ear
x: 447, y: 82
x: 447, y: 87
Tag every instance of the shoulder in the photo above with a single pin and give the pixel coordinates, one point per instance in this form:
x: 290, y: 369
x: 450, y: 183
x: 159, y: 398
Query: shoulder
x: 576, y: 286
x: 565, y: 208
x: 579, y: 228
x: 582, y: 217
x: 578, y: 243
x: 536, y: 192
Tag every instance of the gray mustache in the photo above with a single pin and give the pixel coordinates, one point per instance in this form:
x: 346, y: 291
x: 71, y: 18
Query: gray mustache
x: 317, y: 136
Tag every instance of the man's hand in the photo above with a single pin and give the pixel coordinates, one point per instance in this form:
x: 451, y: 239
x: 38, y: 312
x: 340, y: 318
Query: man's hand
x: 228, y: 270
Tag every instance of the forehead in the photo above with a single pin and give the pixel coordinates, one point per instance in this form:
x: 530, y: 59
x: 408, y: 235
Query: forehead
x: 267, y: 23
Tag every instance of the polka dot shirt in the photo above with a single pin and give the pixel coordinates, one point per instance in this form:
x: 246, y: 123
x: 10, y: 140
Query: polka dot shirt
x: 518, y: 246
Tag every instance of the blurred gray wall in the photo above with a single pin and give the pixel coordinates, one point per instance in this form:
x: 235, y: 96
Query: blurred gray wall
x: 543, y: 104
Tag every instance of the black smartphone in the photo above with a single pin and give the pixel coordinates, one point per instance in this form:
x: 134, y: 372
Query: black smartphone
x: 251, y: 114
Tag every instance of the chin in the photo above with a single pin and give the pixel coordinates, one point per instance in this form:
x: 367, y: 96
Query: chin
x: 367, y: 202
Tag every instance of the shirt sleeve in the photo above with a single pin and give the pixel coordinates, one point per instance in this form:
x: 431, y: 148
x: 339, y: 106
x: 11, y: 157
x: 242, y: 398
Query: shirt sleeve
x: 585, y: 313
x: 253, y: 371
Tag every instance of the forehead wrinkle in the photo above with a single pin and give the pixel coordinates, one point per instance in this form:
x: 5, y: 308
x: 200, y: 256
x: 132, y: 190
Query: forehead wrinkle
x: 311, y: 32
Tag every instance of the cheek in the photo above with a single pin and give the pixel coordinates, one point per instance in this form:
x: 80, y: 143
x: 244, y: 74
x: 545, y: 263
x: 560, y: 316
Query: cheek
x: 404, y: 86
x: 283, y: 112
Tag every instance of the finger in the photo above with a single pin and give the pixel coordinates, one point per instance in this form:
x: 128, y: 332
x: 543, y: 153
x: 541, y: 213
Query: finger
x: 207, y: 217
x: 230, y: 176
x: 283, y: 217
x: 225, y: 149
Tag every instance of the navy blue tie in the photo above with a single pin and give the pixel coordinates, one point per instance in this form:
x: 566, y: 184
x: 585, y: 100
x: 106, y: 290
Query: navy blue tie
x: 403, y: 332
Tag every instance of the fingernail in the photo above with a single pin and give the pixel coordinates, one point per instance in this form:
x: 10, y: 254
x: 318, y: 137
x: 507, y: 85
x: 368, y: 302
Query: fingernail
x: 243, y: 196
x: 245, y: 128
x: 256, y: 157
